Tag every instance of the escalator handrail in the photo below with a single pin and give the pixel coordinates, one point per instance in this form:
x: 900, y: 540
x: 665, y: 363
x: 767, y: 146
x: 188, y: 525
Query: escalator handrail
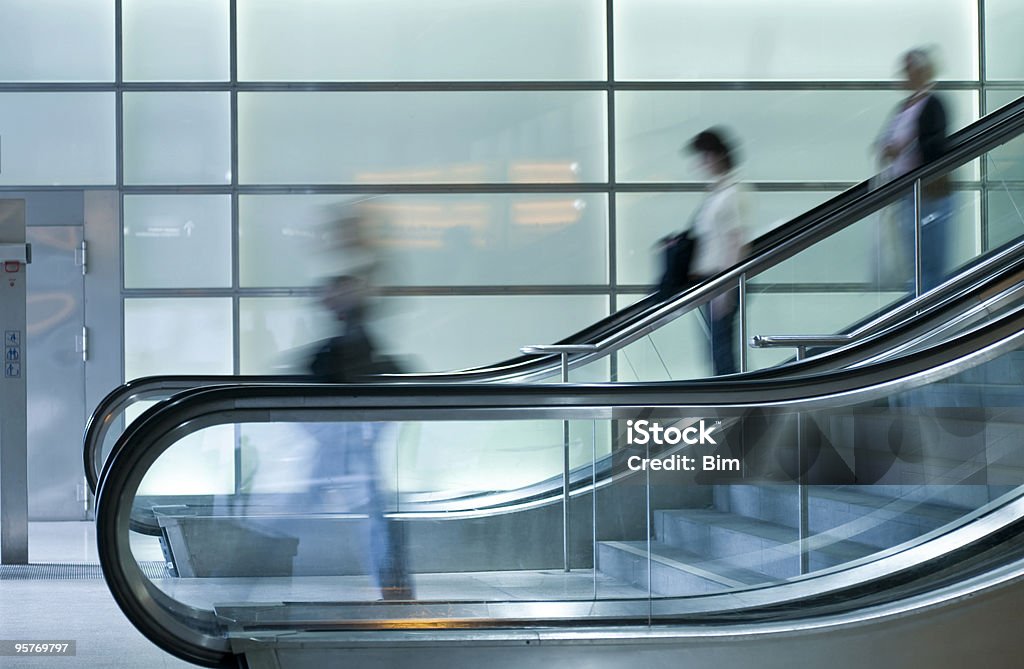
x: 103, y: 417
x: 312, y: 402
x: 160, y: 617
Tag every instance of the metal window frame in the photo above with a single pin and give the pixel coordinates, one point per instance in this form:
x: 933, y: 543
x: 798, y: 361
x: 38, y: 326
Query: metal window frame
x: 612, y: 288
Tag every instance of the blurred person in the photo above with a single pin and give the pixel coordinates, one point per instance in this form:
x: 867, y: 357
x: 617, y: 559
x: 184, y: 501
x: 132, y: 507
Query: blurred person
x: 346, y: 467
x: 720, y: 234
x: 914, y: 135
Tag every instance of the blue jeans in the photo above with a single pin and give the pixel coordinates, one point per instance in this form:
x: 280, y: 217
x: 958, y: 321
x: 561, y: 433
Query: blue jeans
x: 936, y: 221
x: 346, y: 474
x: 722, y: 327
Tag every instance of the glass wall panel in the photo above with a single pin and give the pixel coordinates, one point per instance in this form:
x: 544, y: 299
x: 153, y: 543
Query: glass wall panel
x: 1007, y: 162
x: 994, y: 99
x: 416, y: 137
x: 177, y: 241
x: 55, y: 139
x: 177, y: 138
x: 782, y: 312
x: 177, y: 335
x: 275, y: 333
x: 57, y: 40
x: 368, y: 40
x: 175, y: 40
x: 790, y: 39
x: 441, y: 333
x: 644, y: 218
x: 791, y: 135
x: 424, y: 240
x: 1004, y: 24
x: 425, y: 334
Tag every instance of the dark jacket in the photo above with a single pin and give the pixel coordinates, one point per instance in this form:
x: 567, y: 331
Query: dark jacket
x: 349, y: 358
x: 932, y: 141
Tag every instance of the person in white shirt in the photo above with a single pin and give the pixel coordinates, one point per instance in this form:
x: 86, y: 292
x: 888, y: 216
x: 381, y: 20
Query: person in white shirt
x: 720, y: 228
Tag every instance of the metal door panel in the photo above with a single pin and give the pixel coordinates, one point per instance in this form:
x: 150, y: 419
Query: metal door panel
x: 56, y: 379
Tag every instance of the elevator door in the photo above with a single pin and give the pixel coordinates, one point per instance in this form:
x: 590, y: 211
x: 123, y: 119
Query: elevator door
x: 55, y: 373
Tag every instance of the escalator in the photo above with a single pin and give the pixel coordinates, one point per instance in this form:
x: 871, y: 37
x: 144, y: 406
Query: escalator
x: 896, y: 320
x: 882, y: 492
x: 879, y: 482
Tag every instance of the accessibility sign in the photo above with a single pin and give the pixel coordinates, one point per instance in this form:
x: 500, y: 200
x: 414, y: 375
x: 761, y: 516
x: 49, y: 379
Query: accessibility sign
x: 12, y: 370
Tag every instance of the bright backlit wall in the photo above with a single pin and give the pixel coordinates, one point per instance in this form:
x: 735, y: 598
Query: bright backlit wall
x: 520, y: 157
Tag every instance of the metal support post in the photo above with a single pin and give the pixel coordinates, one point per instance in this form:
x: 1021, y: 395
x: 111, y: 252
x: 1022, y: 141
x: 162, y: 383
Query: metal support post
x: 563, y: 350
x: 14, y: 256
x: 742, y: 303
x: 918, y: 276
x: 803, y: 522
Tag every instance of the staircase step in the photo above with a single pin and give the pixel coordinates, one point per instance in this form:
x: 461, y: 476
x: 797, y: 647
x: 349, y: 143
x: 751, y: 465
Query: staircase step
x: 751, y: 544
x: 674, y: 571
x: 879, y: 516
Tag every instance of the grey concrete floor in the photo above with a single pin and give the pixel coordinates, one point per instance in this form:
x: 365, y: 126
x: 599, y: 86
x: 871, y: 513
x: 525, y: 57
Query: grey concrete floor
x: 40, y: 607
x: 78, y: 609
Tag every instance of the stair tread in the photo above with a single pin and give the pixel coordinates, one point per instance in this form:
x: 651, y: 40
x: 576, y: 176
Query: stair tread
x: 940, y: 512
x: 844, y: 549
x: 717, y: 569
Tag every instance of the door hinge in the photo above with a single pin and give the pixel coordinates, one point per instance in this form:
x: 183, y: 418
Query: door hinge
x: 81, y: 257
x: 82, y: 344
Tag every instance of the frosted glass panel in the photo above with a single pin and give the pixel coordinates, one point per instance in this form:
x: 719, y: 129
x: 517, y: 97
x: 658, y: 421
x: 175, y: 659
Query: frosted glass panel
x: 177, y: 336
x: 1005, y: 216
x: 175, y: 40
x: 789, y: 39
x: 996, y: 99
x: 177, y: 241
x: 360, y: 40
x: 1007, y: 161
x: 413, y: 137
x: 677, y: 350
x: 200, y: 464
x: 644, y: 218
x: 177, y: 138
x: 1004, y: 24
x: 792, y: 135
x: 275, y: 333
x: 56, y: 40
x: 864, y: 248
x: 445, y: 333
x: 430, y: 239
x: 50, y: 139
